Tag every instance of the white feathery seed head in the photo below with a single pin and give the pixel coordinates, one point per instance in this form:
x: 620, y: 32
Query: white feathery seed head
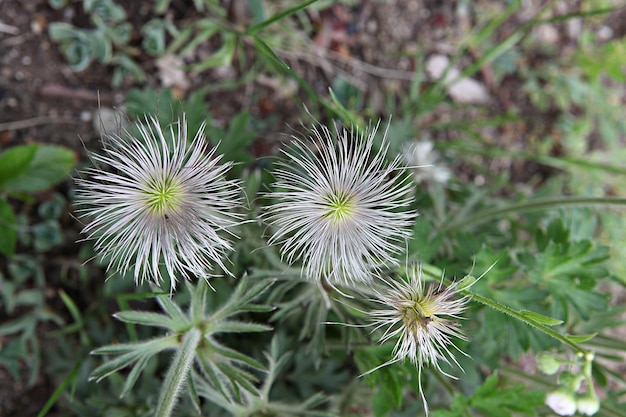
x: 163, y: 202
x: 339, y: 208
x: 424, y: 318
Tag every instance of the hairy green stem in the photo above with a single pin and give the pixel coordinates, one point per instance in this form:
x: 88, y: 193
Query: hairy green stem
x: 177, y: 373
x: 435, y: 273
x: 515, y: 314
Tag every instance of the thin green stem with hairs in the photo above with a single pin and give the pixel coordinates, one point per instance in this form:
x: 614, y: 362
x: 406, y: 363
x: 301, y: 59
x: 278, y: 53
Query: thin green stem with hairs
x: 528, y: 318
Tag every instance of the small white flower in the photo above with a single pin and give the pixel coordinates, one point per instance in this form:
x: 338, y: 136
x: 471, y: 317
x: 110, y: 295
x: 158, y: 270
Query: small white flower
x: 588, y: 403
x: 424, y: 318
x: 423, y: 159
x: 340, y: 208
x: 562, y: 402
x: 165, y: 203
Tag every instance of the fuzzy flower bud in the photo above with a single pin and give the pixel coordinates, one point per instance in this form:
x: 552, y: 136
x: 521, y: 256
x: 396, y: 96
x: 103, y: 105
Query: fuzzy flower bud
x: 548, y: 364
x: 562, y: 402
x: 588, y: 403
x: 424, y: 317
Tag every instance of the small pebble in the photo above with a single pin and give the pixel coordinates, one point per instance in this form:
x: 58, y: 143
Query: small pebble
x: 85, y: 116
x: 605, y: 33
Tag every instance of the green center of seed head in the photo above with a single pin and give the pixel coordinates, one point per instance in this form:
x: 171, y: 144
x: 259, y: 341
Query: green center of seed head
x: 340, y: 206
x: 417, y: 315
x: 163, y: 196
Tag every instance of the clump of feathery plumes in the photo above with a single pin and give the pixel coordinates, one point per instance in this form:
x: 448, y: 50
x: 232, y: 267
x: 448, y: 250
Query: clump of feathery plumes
x: 340, y: 208
x: 164, y: 203
x: 424, y: 318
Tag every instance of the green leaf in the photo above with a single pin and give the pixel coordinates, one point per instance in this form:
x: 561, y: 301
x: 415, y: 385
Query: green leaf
x: 382, y: 403
x: 47, y: 235
x: 171, y: 308
x: 150, y: 345
x: 197, y: 306
x: 557, y: 231
x: 497, y: 401
x: 116, y: 364
x: 72, y: 375
x: 21, y: 324
x: 77, y: 45
x: 241, y: 297
x: 237, y: 377
x: 71, y: 306
x: 107, y: 10
x: 459, y: 403
x: 540, y: 318
x: 347, y: 94
x: 133, y: 375
x: 344, y: 113
x: 126, y: 66
x: 265, y: 49
x: 494, y: 400
x: 130, y: 352
x: 146, y: 102
x: 15, y: 161
x: 53, y: 208
x: 220, y: 58
x: 161, y: 6
x: 57, y: 4
x: 233, y: 326
x: 238, y: 357
x: 154, y: 37
x: 149, y: 319
x: 580, y: 338
x: 257, y: 10
x: 583, y: 301
x: 50, y: 165
x: 8, y: 229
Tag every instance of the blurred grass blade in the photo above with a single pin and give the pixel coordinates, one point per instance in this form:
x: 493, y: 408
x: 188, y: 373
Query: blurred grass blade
x: 493, y: 24
x: 130, y: 328
x: 267, y: 51
x: 220, y: 58
x: 78, y: 318
x: 255, y: 28
x: 588, y: 13
x: 344, y: 113
x: 533, y: 205
x: 257, y: 10
x: 71, y: 375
